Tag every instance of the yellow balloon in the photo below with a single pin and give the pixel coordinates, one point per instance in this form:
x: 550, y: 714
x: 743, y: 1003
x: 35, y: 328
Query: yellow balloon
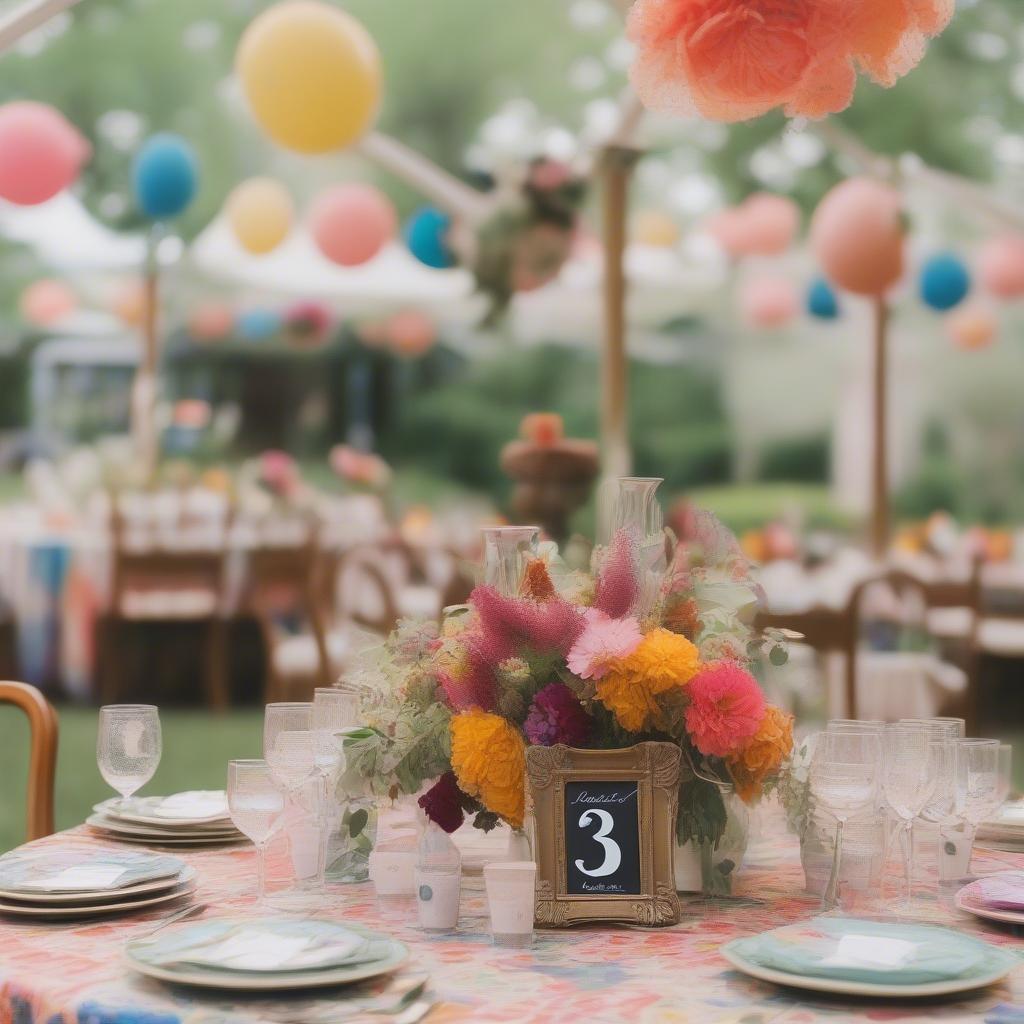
x: 260, y: 214
x: 652, y: 227
x: 311, y: 74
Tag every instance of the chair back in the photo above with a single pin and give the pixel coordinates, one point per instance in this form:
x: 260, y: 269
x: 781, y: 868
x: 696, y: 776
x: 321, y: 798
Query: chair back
x: 42, y: 720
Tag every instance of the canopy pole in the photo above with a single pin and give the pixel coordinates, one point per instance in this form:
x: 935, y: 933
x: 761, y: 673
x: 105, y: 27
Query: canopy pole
x: 880, y: 396
x: 144, y: 387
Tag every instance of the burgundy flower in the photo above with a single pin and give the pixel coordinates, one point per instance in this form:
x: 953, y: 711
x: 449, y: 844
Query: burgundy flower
x: 556, y: 716
x: 444, y: 803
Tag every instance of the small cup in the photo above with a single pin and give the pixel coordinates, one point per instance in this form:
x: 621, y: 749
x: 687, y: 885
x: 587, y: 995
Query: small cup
x: 510, y: 900
x: 437, y: 899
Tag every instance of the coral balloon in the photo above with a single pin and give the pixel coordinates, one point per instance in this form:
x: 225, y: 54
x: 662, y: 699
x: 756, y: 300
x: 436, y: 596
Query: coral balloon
x: 768, y: 302
x: 45, y: 302
x: 770, y: 223
x: 352, y: 223
x: 821, y: 300
x: 211, y: 322
x: 311, y: 74
x: 41, y: 152
x: 972, y: 327
x: 857, y: 235
x: 652, y: 227
x: 129, y: 303
x: 1001, y: 266
x: 944, y: 281
x: 165, y: 176
x: 426, y: 235
x: 260, y: 212
x: 411, y: 332
x: 728, y: 229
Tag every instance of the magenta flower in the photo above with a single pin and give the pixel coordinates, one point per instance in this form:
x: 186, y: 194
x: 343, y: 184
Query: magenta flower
x: 603, y: 642
x: 556, y: 716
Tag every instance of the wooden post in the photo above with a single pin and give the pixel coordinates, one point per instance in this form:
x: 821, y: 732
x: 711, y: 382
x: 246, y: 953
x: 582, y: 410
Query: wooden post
x: 616, y: 456
x: 879, y: 468
x: 144, y: 387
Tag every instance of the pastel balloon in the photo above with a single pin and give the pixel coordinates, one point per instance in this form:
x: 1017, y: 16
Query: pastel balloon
x: 1000, y: 266
x: 211, y: 321
x: 821, y: 300
x: 857, y: 236
x: 944, y: 281
x: 728, y: 229
x: 257, y: 324
x: 41, y: 152
x: 426, y: 235
x: 770, y: 223
x: 260, y: 212
x: 311, y: 74
x: 352, y: 223
x: 768, y: 302
x: 46, y: 302
x: 972, y: 326
x: 308, y: 323
x: 654, y: 228
x: 411, y: 332
x: 165, y: 176
x: 129, y: 303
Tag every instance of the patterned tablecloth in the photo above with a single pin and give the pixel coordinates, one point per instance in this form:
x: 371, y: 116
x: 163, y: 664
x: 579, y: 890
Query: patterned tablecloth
x: 74, y: 974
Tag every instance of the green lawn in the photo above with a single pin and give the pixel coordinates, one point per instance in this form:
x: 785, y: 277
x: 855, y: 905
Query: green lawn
x: 197, y: 746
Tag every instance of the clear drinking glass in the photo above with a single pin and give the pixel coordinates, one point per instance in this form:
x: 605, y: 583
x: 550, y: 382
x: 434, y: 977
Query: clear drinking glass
x: 1005, y: 772
x: 507, y: 549
x: 629, y: 504
x: 128, y: 746
x: 855, y: 725
x: 907, y: 782
x: 256, y: 806
x: 951, y: 727
x: 843, y: 780
x: 285, y: 716
x: 335, y: 709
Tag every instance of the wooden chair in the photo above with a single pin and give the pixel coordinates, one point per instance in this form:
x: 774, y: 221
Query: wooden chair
x: 42, y: 720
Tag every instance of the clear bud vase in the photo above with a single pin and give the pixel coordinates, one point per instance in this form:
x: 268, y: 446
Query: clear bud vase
x: 507, y: 550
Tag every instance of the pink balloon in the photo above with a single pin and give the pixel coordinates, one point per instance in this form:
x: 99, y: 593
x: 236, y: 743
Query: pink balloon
x: 857, y: 236
x: 727, y: 228
x: 211, y: 321
x: 1001, y: 266
x: 411, y: 332
x: 45, y: 302
x: 41, y: 152
x: 767, y: 302
x: 770, y: 223
x: 972, y: 326
x: 352, y: 223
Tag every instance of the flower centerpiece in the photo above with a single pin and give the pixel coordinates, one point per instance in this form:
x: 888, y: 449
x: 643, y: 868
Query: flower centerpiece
x: 652, y: 641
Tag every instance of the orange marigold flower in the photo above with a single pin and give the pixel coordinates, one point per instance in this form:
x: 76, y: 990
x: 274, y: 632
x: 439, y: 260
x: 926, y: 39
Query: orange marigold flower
x: 731, y: 60
x: 489, y: 760
x: 537, y: 581
x: 682, y: 617
x: 662, y: 660
x: 763, y: 755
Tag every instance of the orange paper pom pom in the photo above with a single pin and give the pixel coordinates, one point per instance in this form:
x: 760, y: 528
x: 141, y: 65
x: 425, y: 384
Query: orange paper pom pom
x: 542, y: 428
x: 971, y: 327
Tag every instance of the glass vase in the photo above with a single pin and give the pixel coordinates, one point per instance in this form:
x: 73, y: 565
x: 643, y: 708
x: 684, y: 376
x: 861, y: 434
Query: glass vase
x: 507, y: 550
x: 350, y: 839
x: 711, y: 868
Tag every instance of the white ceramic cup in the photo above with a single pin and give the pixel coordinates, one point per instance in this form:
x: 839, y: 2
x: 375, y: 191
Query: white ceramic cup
x: 510, y: 900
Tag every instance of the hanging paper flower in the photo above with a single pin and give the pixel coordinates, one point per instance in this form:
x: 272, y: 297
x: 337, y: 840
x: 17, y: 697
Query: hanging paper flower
x: 556, y: 716
x: 731, y: 60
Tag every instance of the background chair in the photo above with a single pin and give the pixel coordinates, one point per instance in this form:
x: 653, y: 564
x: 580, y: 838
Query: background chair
x: 42, y: 720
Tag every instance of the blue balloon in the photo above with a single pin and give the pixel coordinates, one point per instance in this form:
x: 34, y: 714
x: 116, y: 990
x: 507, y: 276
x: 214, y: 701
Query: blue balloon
x: 257, y: 324
x: 165, y: 176
x: 821, y: 300
x: 425, y: 233
x: 944, y: 281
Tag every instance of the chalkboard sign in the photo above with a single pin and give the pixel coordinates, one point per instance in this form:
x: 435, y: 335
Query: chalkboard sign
x: 605, y: 833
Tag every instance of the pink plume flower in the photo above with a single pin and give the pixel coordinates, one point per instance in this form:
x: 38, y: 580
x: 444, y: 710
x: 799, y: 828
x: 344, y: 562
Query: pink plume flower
x: 726, y: 708
x: 617, y: 585
x: 510, y: 625
x: 603, y: 641
x: 474, y: 686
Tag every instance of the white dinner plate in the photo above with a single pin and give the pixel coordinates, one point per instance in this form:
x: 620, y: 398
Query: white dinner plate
x: 186, y: 876
x: 149, y: 831
x: 140, y: 811
x: 163, y: 841
x: 95, y: 909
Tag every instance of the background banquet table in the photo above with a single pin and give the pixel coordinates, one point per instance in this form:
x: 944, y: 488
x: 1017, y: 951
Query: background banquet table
x: 60, y: 974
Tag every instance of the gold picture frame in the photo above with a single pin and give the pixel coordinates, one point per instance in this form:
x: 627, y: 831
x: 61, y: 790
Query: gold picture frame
x: 648, y: 771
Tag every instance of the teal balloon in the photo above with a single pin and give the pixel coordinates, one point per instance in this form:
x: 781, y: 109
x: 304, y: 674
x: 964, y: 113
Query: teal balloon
x: 425, y: 235
x: 821, y: 300
x: 944, y: 281
x: 257, y: 324
x: 165, y: 176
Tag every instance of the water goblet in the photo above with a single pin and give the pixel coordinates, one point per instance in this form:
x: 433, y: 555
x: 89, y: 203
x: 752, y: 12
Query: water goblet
x: 335, y: 709
x: 128, y: 746
x: 256, y: 806
x: 1005, y: 771
x: 977, y: 788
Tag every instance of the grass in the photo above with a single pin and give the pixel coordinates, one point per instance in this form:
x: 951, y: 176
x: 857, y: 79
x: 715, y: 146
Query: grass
x: 196, y: 748
x: 745, y: 507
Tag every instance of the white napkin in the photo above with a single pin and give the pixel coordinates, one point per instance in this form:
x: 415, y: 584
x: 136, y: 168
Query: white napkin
x: 81, y: 878
x: 252, y: 949
x: 872, y: 952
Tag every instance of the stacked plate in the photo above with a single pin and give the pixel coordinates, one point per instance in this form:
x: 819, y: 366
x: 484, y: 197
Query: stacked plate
x: 81, y: 881
x: 265, y: 954
x: 195, y: 818
x: 998, y: 897
x: 1005, y: 831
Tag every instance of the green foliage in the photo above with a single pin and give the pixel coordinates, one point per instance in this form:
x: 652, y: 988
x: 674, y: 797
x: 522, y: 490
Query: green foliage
x: 744, y: 507
x: 798, y: 460
x: 702, y: 816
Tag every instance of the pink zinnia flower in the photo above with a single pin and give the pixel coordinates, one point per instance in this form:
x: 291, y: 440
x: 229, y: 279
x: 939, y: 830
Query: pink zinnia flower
x: 604, y: 640
x: 726, y: 708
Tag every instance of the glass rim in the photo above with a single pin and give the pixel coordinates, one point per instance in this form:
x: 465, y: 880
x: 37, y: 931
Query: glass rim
x: 247, y: 761
x: 640, y: 479
x: 977, y: 741
x: 288, y: 704
x: 120, y: 708
x: 485, y: 530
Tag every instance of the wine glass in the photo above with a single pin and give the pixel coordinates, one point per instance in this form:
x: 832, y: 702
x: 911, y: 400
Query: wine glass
x: 285, y: 717
x: 907, y: 782
x: 256, y: 806
x: 1005, y: 772
x: 951, y: 727
x: 855, y: 725
x: 335, y: 709
x: 128, y: 746
x: 843, y: 779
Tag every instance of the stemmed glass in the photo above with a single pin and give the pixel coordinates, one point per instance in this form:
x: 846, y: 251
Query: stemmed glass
x: 128, y: 746
x: 256, y: 805
x: 843, y: 780
x: 977, y: 785
x: 1005, y: 772
x: 908, y: 782
x: 335, y: 709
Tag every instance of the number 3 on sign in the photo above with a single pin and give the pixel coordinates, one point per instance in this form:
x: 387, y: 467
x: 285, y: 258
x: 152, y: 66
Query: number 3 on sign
x: 612, y: 852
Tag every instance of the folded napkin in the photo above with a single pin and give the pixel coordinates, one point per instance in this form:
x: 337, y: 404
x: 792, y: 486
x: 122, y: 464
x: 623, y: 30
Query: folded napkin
x: 80, y: 878
x: 1002, y: 892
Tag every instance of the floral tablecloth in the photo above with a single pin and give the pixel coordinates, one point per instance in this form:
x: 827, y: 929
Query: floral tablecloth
x: 74, y: 974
